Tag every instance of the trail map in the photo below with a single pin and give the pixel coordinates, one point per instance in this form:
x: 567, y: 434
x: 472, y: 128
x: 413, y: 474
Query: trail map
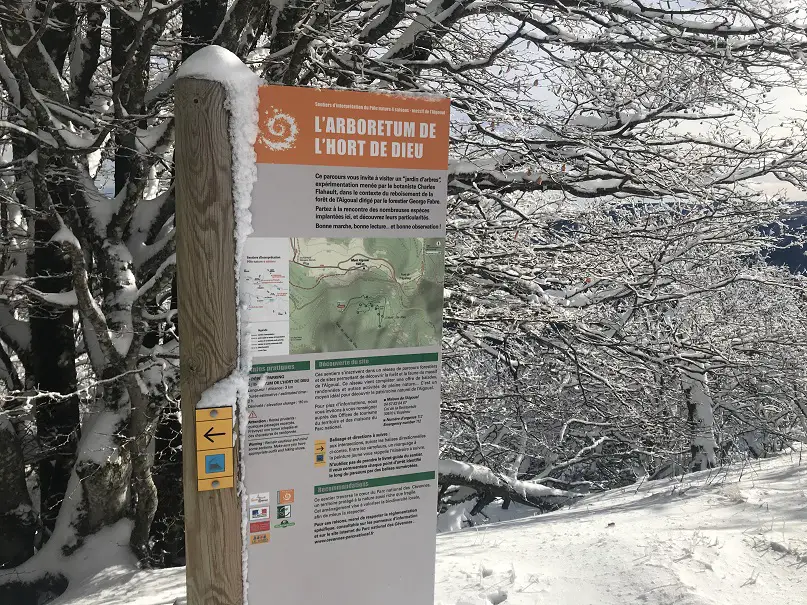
x: 364, y: 293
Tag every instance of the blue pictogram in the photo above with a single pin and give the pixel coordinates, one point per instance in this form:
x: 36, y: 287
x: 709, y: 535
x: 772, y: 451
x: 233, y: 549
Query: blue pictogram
x: 214, y: 463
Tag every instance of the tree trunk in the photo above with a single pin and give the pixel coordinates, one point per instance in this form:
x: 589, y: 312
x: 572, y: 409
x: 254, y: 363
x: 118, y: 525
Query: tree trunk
x: 167, y: 529
x: 701, y: 419
x: 98, y: 491
x: 53, y: 365
x: 145, y: 412
x: 17, y: 519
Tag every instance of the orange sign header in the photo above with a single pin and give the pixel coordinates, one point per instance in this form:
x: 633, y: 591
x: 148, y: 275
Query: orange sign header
x: 320, y: 127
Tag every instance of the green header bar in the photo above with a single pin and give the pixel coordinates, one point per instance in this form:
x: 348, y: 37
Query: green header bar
x: 368, y: 483
x: 289, y: 366
x: 382, y: 360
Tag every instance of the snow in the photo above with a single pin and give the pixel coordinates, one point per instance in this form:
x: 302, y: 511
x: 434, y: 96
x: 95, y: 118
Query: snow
x: 145, y: 215
x: 10, y: 83
x: 59, y: 299
x: 64, y: 234
x: 219, y: 65
x: 712, y: 538
x: 241, y: 84
x: 76, y: 141
x: 14, y: 49
x: 122, y: 585
x: 101, y: 207
x: 96, y: 570
x: 120, y: 303
x: 160, y: 90
x: 99, y: 444
x: 474, y: 472
x: 147, y: 140
x: 459, y: 517
x: 433, y: 14
x: 222, y: 394
x: 168, y: 262
x: 381, y: 11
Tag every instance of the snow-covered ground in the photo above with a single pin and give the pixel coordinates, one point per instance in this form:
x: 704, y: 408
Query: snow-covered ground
x: 715, y: 538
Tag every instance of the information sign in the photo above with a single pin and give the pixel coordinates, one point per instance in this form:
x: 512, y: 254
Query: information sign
x: 344, y: 273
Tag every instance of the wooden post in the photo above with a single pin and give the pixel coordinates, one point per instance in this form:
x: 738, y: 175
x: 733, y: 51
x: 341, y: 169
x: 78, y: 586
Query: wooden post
x: 207, y: 327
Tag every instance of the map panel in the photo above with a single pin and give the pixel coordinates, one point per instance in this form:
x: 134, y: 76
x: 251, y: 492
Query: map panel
x: 364, y: 293
x: 265, y: 279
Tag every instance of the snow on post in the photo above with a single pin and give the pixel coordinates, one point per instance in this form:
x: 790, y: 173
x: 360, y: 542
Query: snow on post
x: 240, y: 84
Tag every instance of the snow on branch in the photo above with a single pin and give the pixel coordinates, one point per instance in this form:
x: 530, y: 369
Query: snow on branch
x: 385, y: 15
x: 84, y: 298
x: 163, y: 274
x: 481, y: 478
x: 156, y: 138
x: 435, y: 15
x: 100, y: 207
x: 57, y: 299
x: 25, y: 131
x: 10, y: 82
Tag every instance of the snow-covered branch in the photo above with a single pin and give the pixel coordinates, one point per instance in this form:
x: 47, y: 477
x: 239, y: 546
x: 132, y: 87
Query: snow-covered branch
x: 483, y: 480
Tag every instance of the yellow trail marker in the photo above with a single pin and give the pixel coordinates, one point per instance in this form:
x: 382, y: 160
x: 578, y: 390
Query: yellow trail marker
x: 214, y: 448
x: 320, y: 450
x: 214, y: 435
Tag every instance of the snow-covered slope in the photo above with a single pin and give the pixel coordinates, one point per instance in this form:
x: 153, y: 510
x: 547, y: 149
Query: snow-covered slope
x: 715, y: 538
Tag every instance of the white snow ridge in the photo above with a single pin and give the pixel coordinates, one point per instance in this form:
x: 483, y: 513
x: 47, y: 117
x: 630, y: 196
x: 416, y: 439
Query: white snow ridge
x: 719, y: 537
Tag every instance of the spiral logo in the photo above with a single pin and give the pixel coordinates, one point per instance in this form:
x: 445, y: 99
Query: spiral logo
x: 279, y: 130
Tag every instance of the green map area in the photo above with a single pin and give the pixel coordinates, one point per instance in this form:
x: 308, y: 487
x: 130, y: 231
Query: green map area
x: 354, y: 293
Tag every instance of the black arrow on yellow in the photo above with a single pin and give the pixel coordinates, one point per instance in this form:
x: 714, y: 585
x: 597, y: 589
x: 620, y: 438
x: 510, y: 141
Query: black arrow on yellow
x: 321, y: 448
x: 209, y: 435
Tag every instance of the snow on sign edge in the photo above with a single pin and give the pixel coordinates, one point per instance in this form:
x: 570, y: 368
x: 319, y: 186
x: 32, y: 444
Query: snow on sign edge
x: 241, y: 85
